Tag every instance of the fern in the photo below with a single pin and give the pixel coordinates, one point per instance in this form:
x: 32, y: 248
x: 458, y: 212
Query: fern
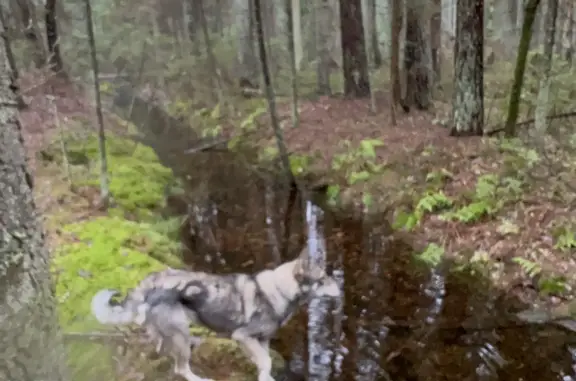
x: 432, y: 255
x: 530, y: 268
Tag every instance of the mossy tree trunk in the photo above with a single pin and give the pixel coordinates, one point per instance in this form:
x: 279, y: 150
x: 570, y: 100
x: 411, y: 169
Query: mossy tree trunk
x: 30, y: 342
x: 514, y: 104
x: 468, y: 104
x: 544, y: 91
x: 354, y: 58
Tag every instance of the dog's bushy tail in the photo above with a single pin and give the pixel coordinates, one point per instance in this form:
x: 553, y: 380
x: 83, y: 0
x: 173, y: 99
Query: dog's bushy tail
x: 109, y: 313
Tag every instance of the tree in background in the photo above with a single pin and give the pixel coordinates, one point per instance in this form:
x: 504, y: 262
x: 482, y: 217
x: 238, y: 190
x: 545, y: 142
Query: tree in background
x: 543, y: 106
x: 468, y: 102
x: 354, y: 60
x: 415, y: 68
x: 30, y: 343
x: 514, y: 105
x: 54, y: 56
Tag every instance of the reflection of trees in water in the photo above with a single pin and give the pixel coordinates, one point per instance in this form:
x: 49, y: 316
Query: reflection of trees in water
x: 381, y: 282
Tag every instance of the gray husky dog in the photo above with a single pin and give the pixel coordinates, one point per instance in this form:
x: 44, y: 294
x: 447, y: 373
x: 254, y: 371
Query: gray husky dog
x: 248, y: 308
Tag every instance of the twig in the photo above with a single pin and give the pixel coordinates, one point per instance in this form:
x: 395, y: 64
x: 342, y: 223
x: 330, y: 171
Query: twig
x: 65, y: 161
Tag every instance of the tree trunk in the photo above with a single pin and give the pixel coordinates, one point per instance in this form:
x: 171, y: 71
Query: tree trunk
x: 104, y: 183
x: 354, y: 60
x: 514, y: 105
x: 210, y: 53
x: 395, y: 26
x: 324, y: 15
x: 290, y: 28
x: 30, y: 342
x: 11, y: 61
x: 31, y: 31
x: 543, y: 106
x: 468, y: 106
x: 248, y: 63
x: 415, y: 68
x: 270, y: 97
x: 297, y: 33
x: 436, y: 41
x: 54, y: 56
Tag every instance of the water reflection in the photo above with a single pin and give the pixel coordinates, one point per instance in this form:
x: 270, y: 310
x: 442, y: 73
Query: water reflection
x: 398, y: 320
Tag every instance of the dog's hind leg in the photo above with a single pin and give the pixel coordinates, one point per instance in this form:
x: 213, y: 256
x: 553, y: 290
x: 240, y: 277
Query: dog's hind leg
x: 181, y: 354
x: 258, y: 353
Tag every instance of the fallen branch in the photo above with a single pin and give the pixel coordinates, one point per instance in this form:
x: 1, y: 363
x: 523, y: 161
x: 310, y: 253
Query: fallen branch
x: 550, y: 118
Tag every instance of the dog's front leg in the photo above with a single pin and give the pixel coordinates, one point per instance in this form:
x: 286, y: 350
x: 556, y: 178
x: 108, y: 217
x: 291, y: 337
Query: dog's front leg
x: 258, y: 353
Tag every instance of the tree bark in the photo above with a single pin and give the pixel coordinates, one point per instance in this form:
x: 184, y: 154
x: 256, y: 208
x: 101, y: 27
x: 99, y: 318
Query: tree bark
x: 30, y: 342
x: 524, y: 46
x: 54, y: 56
x: 468, y: 106
x: 354, y: 60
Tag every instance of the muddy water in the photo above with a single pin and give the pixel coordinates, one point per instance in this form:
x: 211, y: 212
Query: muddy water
x: 397, y: 320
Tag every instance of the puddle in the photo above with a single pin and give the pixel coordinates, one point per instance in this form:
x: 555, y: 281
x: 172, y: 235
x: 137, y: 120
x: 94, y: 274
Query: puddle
x: 396, y: 321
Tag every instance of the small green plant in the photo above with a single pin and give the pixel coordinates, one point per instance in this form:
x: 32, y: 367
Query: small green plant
x: 358, y: 163
x: 531, y: 269
x: 437, y: 178
x: 432, y: 255
x: 431, y: 202
x: 489, y: 196
x: 565, y: 238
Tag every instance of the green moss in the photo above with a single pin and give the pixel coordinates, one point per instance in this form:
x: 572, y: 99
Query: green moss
x: 137, y: 179
x: 107, y: 252
x: 222, y: 359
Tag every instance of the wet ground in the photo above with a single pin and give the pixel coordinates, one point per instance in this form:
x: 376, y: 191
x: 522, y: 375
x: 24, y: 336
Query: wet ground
x: 398, y: 320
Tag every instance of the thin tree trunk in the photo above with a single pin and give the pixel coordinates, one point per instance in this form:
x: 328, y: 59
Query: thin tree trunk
x: 290, y: 26
x: 31, y: 345
x: 468, y: 107
x: 543, y: 106
x: 436, y: 41
x: 210, y: 53
x: 377, y: 54
x: 514, y: 105
x: 297, y: 33
x: 54, y: 56
x: 395, y: 26
x: 270, y: 97
x: 104, y: 186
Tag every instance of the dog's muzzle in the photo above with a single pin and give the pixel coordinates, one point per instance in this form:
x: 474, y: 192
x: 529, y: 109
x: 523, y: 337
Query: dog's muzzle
x: 328, y: 287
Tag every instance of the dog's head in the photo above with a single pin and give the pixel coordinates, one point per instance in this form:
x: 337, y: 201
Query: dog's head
x: 314, y: 277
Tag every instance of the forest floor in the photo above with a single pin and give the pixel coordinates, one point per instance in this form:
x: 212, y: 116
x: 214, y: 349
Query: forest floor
x: 492, y: 202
